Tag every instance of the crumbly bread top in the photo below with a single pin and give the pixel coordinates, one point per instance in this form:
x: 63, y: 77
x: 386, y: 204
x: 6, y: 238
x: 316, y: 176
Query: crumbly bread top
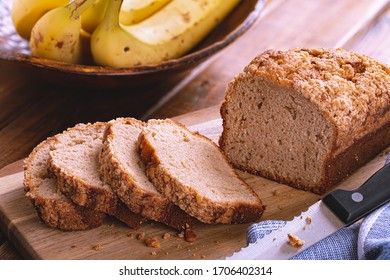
x: 351, y: 89
x: 197, y: 163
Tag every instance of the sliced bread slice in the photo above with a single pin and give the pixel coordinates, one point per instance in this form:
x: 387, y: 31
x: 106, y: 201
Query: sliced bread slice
x: 191, y: 171
x: 123, y: 169
x: 75, y: 163
x: 54, y: 208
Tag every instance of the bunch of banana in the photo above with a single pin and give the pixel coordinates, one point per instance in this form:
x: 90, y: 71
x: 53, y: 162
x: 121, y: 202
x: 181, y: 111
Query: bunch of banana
x: 25, y: 13
x: 116, y: 33
x: 57, y: 35
x: 167, y: 34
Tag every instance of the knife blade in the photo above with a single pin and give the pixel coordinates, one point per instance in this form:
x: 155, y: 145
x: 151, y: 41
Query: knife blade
x: 336, y: 210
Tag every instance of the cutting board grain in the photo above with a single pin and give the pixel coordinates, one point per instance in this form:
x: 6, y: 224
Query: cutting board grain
x: 114, y: 240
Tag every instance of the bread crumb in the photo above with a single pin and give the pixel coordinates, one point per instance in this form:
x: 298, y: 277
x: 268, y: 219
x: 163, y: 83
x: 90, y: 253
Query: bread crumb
x: 97, y: 247
x: 180, y: 234
x: 295, y: 240
x: 202, y: 256
x: 154, y: 253
x: 130, y: 234
x: 189, y: 234
x: 308, y: 220
x: 166, y: 236
x: 152, y: 242
x: 140, y: 235
x: 178, y: 246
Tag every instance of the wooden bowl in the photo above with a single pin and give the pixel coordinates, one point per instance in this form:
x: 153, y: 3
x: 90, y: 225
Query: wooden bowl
x: 15, y: 51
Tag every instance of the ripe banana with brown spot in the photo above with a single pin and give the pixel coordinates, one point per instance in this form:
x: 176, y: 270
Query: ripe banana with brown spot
x: 168, y: 34
x: 25, y: 13
x: 57, y: 35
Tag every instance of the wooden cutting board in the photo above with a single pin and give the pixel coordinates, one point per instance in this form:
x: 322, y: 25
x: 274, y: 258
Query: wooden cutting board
x: 113, y: 240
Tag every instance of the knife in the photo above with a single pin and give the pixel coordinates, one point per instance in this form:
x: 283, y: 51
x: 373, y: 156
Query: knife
x: 336, y: 210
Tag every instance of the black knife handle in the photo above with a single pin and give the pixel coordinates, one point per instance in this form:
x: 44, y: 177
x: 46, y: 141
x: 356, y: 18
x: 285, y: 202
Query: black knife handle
x: 350, y: 206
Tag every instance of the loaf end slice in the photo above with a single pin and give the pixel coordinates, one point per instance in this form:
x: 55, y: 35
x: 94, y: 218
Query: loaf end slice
x: 306, y: 117
x: 75, y: 163
x: 54, y: 208
x: 192, y: 172
x: 123, y: 169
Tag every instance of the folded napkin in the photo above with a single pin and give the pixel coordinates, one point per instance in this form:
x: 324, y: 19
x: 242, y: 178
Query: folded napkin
x: 367, y: 239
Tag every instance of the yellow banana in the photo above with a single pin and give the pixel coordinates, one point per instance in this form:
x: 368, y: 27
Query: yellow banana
x: 57, y: 34
x: 25, y: 13
x: 167, y: 34
x: 134, y: 11
x: 91, y: 18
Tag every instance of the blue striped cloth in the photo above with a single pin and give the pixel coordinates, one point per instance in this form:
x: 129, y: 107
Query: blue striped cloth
x: 368, y: 239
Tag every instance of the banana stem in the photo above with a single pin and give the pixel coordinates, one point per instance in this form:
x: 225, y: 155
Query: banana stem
x: 77, y: 7
x: 111, y: 17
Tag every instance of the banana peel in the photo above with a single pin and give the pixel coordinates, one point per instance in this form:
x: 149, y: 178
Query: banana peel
x: 25, y: 13
x: 58, y: 35
x: 167, y: 34
x: 93, y: 16
x: 135, y: 11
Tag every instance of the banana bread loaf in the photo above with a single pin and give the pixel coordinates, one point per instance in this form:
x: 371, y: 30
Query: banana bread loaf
x: 307, y: 117
x: 192, y: 172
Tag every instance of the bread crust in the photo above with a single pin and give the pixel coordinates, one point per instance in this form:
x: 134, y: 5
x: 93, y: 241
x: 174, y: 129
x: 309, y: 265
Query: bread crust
x: 152, y: 205
x: 187, y: 198
x: 58, y: 211
x: 66, y: 215
x: 355, y: 156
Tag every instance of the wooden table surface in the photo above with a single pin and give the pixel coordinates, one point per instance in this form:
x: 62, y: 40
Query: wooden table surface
x: 31, y: 111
